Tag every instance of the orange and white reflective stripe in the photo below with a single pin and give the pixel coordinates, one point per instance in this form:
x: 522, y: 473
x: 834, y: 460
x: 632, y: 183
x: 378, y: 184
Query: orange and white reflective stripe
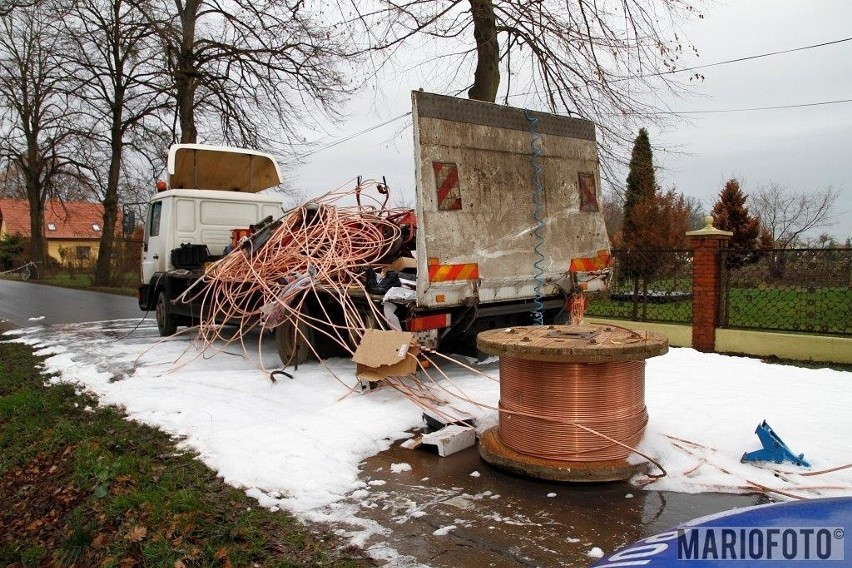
x: 433, y: 321
x: 591, y: 263
x: 448, y: 272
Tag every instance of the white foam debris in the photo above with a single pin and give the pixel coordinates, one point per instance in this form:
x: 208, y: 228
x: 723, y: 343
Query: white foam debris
x: 595, y: 552
x: 446, y: 530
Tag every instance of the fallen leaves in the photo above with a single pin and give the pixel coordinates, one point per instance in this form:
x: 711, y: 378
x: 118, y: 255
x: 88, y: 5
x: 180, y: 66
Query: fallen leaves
x: 222, y: 554
x: 136, y: 534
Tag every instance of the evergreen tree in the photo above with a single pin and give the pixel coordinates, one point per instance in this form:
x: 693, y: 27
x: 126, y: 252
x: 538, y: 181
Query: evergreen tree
x: 731, y: 214
x: 654, y: 221
x: 641, y: 186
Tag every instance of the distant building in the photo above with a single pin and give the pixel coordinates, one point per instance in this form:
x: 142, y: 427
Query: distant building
x: 72, y: 230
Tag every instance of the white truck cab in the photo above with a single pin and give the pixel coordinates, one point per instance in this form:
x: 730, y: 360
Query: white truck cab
x: 211, y: 191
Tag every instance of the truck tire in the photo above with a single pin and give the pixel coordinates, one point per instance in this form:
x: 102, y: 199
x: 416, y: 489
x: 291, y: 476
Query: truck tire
x: 293, y: 349
x: 166, y: 321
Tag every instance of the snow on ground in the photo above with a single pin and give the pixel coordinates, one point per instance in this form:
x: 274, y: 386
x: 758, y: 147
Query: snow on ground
x: 715, y: 402
x: 297, y: 444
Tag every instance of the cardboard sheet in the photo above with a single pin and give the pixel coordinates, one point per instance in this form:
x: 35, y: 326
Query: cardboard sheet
x: 383, y: 354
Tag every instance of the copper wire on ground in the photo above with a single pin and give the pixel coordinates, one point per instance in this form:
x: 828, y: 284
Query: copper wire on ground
x: 545, y: 405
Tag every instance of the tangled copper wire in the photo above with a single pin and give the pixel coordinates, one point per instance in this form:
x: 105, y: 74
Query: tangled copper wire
x: 321, y: 245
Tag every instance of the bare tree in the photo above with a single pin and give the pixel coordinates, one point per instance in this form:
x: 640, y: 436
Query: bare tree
x: 36, y: 131
x: 696, y: 215
x: 787, y: 215
x: 120, y: 93
x: 605, y: 60
x: 6, y: 6
x: 249, y: 72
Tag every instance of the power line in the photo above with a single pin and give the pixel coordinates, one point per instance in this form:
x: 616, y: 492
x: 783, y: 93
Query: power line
x: 716, y: 64
x: 718, y: 111
x: 354, y: 135
x: 750, y: 57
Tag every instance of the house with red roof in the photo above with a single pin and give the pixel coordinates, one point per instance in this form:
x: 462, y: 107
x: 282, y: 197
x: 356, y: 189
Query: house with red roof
x: 72, y: 229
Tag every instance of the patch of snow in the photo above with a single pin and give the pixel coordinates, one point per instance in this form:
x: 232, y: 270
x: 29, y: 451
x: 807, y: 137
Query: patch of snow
x: 444, y: 530
x: 400, y: 467
x: 376, y: 482
x: 474, y: 474
x: 629, y: 496
x: 551, y: 494
x: 595, y: 552
x: 36, y: 318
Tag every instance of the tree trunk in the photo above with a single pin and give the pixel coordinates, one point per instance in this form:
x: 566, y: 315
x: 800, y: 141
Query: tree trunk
x: 635, y: 311
x: 486, y: 79
x: 103, y: 268
x: 187, y: 72
x: 38, y: 246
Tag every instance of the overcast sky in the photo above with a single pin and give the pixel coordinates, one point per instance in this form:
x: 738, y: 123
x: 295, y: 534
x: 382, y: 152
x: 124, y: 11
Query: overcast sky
x: 806, y: 148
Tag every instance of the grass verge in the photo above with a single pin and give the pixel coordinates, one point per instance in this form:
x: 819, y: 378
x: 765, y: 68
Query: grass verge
x: 83, y: 281
x: 82, y: 486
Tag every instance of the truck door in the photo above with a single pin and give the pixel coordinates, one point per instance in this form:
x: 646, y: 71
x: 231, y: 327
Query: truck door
x: 488, y: 229
x: 154, y: 255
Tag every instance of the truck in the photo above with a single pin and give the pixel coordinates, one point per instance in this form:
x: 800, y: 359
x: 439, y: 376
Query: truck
x: 508, y: 223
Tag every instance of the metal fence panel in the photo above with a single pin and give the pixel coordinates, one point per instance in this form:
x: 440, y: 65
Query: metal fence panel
x: 648, y: 285
x: 800, y: 290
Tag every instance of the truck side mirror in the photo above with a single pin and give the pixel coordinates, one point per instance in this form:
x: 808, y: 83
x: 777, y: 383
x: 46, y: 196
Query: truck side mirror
x: 129, y: 221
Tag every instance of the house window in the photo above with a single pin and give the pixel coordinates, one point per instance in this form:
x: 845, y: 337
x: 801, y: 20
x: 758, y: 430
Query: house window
x: 51, y: 226
x: 96, y: 227
x: 84, y: 253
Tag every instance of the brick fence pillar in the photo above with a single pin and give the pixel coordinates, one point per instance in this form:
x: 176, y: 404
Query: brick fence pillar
x: 706, y: 283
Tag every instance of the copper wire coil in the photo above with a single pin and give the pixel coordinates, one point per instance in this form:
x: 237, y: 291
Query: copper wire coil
x: 542, y: 404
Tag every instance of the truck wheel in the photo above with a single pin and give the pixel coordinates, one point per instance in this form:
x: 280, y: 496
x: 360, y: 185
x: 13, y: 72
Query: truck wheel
x: 293, y: 349
x: 166, y: 321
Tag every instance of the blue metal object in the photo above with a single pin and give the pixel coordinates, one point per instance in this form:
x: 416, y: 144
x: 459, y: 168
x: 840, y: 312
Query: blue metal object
x: 774, y: 449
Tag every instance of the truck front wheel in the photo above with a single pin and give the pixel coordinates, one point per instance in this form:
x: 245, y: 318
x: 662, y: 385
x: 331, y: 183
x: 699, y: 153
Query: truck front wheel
x: 166, y: 321
x: 293, y: 348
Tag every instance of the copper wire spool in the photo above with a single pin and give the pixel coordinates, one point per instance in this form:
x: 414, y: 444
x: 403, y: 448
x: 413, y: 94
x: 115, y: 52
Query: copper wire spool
x: 542, y: 402
x: 572, y: 400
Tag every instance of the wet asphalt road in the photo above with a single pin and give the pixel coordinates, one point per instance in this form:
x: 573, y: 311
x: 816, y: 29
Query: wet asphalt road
x: 25, y: 304
x: 445, y: 512
x: 458, y: 512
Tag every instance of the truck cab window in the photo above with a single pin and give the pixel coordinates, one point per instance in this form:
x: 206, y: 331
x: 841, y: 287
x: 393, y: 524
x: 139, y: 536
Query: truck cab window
x: 154, y: 220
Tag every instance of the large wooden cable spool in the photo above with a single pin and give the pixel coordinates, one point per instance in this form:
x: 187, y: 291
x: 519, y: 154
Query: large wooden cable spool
x: 572, y: 400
